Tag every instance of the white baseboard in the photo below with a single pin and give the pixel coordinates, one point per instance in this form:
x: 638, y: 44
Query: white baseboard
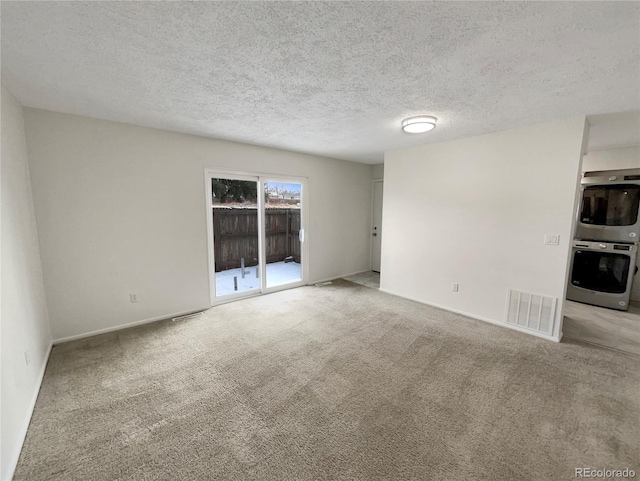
x: 13, y: 463
x: 127, y: 325
x: 479, y: 318
x: 337, y: 277
x: 169, y: 316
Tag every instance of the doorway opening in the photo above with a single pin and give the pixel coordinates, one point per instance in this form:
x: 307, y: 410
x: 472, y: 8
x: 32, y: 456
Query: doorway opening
x: 376, y: 226
x: 602, y: 304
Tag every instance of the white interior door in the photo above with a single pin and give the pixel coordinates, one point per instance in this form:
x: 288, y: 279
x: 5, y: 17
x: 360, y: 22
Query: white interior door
x: 376, y: 226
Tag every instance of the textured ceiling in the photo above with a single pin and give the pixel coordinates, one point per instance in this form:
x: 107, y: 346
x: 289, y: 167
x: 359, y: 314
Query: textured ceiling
x: 329, y: 78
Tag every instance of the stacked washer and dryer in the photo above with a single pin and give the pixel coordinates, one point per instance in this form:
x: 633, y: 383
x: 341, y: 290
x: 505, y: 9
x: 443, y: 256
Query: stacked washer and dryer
x: 603, y: 257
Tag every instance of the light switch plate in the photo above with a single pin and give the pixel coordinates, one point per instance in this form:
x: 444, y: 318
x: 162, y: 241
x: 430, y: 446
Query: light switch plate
x: 551, y: 240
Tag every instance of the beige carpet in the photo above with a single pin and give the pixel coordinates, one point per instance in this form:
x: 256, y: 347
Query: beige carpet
x: 368, y: 278
x: 331, y: 383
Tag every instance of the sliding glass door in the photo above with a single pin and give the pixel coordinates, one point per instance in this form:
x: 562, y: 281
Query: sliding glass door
x: 236, y: 236
x: 255, y: 234
x: 283, y: 232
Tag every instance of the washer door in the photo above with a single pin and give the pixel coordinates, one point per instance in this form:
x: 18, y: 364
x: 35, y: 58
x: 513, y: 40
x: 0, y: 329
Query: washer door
x: 600, y: 271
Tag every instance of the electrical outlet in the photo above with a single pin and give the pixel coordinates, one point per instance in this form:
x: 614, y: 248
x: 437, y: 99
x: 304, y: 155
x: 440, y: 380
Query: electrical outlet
x: 27, y: 357
x: 133, y: 297
x: 455, y: 287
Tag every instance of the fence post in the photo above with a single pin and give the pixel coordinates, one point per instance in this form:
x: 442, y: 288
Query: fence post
x: 287, y: 249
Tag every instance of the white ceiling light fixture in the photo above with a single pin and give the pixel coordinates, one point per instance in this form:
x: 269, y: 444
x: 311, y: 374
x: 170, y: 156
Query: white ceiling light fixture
x: 419, y: 124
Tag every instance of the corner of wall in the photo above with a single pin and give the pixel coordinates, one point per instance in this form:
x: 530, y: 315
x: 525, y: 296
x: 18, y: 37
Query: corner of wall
x: 557, y: 332
x: 377, y: 171
x: 26, y: 332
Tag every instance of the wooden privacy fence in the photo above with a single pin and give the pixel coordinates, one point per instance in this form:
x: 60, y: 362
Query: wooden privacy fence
x: 235, y: 236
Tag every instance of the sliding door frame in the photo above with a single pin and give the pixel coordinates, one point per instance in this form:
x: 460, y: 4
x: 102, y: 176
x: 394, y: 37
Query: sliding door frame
x: 261, y: 178
x: 220, y: 174
x: 304, y: 252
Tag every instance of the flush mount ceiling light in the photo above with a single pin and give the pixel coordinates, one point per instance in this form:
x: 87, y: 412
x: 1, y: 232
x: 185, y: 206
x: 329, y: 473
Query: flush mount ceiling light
x: 419, y: 124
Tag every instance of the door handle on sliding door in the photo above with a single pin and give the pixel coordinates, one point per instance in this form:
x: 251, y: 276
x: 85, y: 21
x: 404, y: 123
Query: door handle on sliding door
x: 301, y: 235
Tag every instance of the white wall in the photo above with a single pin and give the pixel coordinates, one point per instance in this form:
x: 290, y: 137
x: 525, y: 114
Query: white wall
x: 378, y: 171
x: 612, y: 159
x: 25, y: 322
x: 475, y: 211
x: 121, y: 209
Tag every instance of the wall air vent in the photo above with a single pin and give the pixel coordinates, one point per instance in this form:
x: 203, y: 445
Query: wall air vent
x: 193, y: 315
x: 531, y: 311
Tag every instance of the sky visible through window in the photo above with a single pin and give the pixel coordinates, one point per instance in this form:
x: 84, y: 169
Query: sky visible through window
x: 282, y: 187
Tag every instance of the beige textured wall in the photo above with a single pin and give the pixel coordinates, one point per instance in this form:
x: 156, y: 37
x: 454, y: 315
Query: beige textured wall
x: 121, y: 209
x: 475, y: 212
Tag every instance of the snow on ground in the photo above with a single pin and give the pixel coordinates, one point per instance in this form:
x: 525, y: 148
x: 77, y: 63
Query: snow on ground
x: 277, y: 273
